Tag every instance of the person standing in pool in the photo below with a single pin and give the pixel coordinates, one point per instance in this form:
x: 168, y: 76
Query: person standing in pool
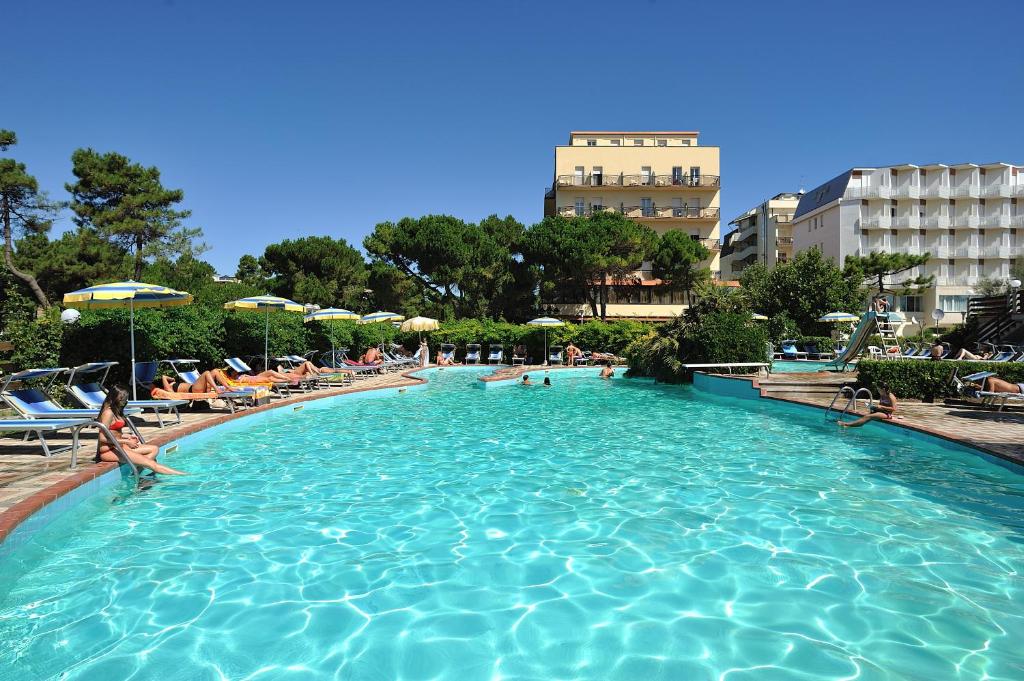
x: 607, y: 371
x: 526, y: 380
x: 547, y: 382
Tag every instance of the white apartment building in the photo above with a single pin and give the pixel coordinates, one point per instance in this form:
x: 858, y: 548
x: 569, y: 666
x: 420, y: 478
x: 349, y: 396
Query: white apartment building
x: 966, y: 216
x: 762, y: 235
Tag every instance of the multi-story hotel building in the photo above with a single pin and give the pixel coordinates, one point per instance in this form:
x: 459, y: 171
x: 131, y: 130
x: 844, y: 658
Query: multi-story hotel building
x: 665, y: 180
x: 966, y: 216
x: 763, y: 235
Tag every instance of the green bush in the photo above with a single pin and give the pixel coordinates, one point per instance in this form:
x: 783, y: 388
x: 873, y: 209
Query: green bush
x: 37, y: 342
x: 927, y: 379
x: 823, y: 343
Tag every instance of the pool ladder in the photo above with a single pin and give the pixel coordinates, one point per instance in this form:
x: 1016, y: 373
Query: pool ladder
x: 854, y: 395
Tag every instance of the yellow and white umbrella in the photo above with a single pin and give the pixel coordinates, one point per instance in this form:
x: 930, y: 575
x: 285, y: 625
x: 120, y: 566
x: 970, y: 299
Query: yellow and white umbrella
x: 330, y: 314
x: 420, y: 324
x: 377, y: 317
x: 268, y: 304
x: 130, y: 294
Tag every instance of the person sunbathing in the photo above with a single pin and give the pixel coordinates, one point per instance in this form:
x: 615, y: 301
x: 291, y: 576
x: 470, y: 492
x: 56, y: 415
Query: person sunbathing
x: 444, y: 361
x: 883, y: 411
x: 227, y: 376
x: 112, y: 416
x: 371, y: 357
x: 994, y: 384
x: 967, y: 354
x: 604, y: 357
x: 207, y: 383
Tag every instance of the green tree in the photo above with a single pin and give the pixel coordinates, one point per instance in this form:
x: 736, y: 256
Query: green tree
x: 251, y: 273
x: 802, y: 290
x: 395, y: 291
x: 675, y: 261
x: 877, y: 267
x: 23, y: 208
x: 991, y: 286
x: 462, y: 268
x: 316, y: 269
x: 126, y: 204
x: 187, y: 273
x: 585, y: 255
x: 77, y: 259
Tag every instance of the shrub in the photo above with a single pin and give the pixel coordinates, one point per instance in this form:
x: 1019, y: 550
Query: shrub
x: 927, y: 379
x: 37, y: 342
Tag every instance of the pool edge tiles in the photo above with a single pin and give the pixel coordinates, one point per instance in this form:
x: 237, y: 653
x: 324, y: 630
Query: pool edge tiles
x: 746, y: 388
x: 24, y: 519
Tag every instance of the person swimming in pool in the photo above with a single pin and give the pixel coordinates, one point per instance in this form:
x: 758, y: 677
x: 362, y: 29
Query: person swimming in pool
x: 885, y: 410
x: 547, y: 382
x: 526, y: 380
x: 607, y: 371
x: 112, y: 416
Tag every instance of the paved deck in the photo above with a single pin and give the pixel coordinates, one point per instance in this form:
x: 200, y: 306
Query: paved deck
x: 1001, y: 434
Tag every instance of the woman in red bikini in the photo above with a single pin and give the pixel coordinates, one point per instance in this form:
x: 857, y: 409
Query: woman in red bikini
x: 112, y: 416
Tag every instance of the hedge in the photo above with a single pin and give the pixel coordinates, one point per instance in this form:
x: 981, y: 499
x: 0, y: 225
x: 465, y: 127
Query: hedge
x: 926, y: 379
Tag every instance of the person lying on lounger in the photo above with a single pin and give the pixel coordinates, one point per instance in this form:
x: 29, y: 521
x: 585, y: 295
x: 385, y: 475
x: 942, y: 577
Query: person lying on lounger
x: 228, y: 375
x: 371, y: 357
x: 994, y: 384
x: 112, y: 416
x: 207, y: 383
x: 967, y: 354
x: 883, y: 411
x: 443, y: 361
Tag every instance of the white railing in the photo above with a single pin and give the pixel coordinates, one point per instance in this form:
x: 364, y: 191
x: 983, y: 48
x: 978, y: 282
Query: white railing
x: 935, y: 191
x: 959, y: 281
x: 935, y: 221
x: 1017, y: 221
x: 966, y: 221
x: 966, y: 252
x: 908, y: 222
x: 1001, y: 189
x: 966, y: 191
x: 995, y: 252
x: 873, y: 192
x: 1017, y: 189
x: 995, y: 221
x: 876, y: 222
x: 940, y: 251
x: 907, y: 191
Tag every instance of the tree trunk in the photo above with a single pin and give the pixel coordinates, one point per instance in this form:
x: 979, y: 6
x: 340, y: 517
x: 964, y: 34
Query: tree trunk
x: 9, y: 258
x: 604, y: 295
x: 592, y: 301
x: 138, y: 260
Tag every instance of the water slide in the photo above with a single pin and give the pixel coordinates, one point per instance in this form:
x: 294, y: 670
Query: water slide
x: 858, y: 342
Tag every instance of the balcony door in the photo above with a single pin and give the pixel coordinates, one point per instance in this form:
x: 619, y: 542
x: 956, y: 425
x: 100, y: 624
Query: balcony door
x: 597, y: 176
x: 645, y: 175
x: 694, y: 176
x: 677, y: 175
x: 577, y: 178
x: 646, y: 207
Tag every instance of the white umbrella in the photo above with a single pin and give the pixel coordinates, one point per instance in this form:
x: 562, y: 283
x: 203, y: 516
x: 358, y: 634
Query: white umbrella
x: 545, y: 322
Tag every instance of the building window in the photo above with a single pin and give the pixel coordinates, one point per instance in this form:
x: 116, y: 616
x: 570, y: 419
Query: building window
x: 646, y: 207
x: 638, y: 143
x: 646, y: 176
x: 596, y: 205
x: 677, y: 175
x: 910, y: 303
x: 579, y: 206
x: 953, y: 303
x: 591, y: 143
x: 615, y: 143
x: 662, y: 143
x: 686, y: 143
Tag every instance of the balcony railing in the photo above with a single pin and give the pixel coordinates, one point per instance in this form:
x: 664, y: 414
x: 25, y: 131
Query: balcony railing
x: 876, y: 222
x: 713, y: 245
x: 907, y: 191
x: 935, y: 191
x: 1017, y: 221
x: 998, y: 190
x: 640, y: 180
x: 966, y: 192
x: 907, y: 222
x: 784, y: 241
x: 971, y: 221
x: 995, y: 221
x: 1017, y: 189
x: 646, y: 212
x: 935, y: 221
x: 783, y: 218
x: 873, y: 192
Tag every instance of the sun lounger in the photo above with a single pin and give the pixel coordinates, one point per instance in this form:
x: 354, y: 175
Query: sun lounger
x: 472, y: 353
x: 186, y: 371
x: 282, y: 388
x: 555, y: 355
x: 985, y: 397
x: 583, y: 359
x: 789, y: 351
x: 519, y: 355
x: 447, y: 352
x: 31, y: 403
x: 92, y: 394
x: 43, y: 427
x: 496, y: 353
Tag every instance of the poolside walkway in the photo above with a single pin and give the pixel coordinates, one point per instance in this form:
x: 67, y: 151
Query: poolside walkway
x: 1001, y: 434
x: 24, y: 471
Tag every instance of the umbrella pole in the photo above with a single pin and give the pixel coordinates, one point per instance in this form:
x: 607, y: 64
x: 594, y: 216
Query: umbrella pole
x: 334, y: 361
x: 266, y: 342
x: 131, y: 326
x: 546, y: 346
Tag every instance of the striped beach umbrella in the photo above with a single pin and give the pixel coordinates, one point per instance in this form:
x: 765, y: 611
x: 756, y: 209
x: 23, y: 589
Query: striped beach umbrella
x: 268, y: 304
x: 330, y: 314
x: 377, y: 317
x: 546, y: 322
x: 838, y: 317
x: 758, y: 317
x: 130, y: 294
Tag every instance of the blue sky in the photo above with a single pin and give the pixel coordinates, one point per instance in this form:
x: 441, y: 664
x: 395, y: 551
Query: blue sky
x: 285, y: 119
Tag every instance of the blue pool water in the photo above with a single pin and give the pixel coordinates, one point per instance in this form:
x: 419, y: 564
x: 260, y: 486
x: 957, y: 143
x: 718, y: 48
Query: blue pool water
x: 785, y: 367
x: 591, y: 530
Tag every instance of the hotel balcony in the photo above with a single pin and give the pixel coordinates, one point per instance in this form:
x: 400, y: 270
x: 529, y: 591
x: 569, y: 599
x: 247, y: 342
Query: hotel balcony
x: 969, y: 191
x: 876, y: 222
x: 996, y: 191
x: 873, y: 192
x: 994, y: 221
x: 971, y: 252
x: 784, y: 241
x: 1017, y: 189
x: 782, y: 218
x: 688, y: 213
x: 959, y: 280
x: 907, y: 191
x: 907, y: 222
x: 935, y: 191
x: 1017, y: 221
x: 619, y: 180
x: 935, y: 221
x: 966, y: 221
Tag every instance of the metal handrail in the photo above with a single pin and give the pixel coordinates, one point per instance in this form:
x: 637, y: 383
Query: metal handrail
x: 639, y: 180
x: 852, y: 402
x: 653, y: 211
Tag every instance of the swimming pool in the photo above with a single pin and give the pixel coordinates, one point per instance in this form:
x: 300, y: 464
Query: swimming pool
x: 784, y: 367
x: 591, y: 530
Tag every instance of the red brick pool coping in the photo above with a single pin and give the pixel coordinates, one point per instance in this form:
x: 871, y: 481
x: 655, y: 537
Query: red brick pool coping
x: 22, y: 510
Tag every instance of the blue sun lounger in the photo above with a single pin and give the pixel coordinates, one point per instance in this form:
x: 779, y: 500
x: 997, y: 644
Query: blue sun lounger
x: 496, y: 354
x: 43, y: 427
x: 472, y: 353
x: 282, y: 388
x: 187, y: 372
x: 92, y: 394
